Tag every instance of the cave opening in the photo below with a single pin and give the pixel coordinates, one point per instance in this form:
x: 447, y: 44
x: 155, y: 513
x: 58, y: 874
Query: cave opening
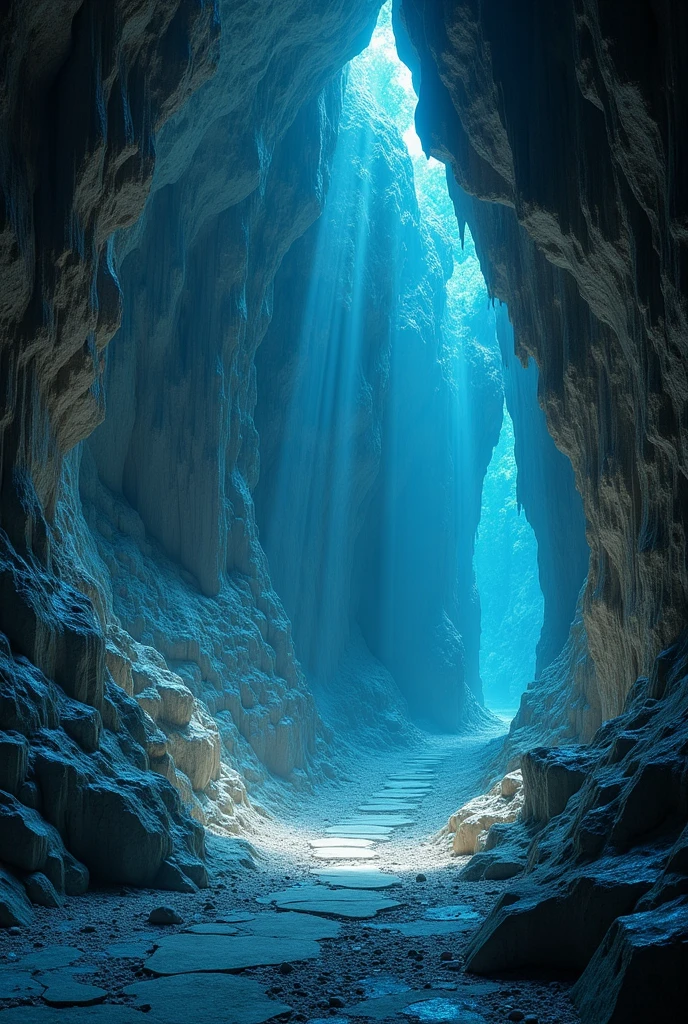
x: 317, y: 457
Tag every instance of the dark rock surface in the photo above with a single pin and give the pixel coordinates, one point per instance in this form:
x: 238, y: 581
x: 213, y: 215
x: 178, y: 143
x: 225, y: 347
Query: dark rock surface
x: 563, y: 125
x: 87, y: 100
x: 590, y: 257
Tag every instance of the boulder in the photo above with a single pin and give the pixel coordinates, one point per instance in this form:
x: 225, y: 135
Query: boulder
x: 556, y: 926
x: 41, y: 891
x: 15, y: 908
x: 639, y: 971
x: 550, y: 778
x: 470, y: 824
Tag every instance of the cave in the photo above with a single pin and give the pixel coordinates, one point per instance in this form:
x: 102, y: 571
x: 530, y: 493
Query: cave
x: 343, y: 456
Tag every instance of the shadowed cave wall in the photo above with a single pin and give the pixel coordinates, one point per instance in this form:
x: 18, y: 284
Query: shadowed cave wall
x: 122, y: 559
x: 563, y: 127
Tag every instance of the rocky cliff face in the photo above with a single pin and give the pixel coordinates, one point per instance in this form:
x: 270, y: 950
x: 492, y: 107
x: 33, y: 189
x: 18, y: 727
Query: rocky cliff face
x: 563, y: 127
x: 136, y: 136
x: 590, y: 257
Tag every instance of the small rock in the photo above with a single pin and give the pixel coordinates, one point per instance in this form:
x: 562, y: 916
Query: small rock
x: 285, y: 968
x: 88, y: 929
x: 516, y: 1015
x: 421, y: 878
x: 412, y: 953
x: 530, y: 1020
x: 446, y: 955
x: 164, y: 916
x: 336, y: 1002
x: 14, y: 930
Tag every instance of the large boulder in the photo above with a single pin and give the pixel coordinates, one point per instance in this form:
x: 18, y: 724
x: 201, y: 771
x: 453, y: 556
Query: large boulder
x: 639, y: 972
x: 471, y: 823
x: 15, y: 908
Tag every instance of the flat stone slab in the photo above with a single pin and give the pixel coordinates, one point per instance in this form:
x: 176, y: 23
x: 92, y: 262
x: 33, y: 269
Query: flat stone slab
x: 62, y: 990
x: 130, y: 950
x: 16, y: 984
x: 317, y: 844
x: 51, y: 958
x: 182, y: 998
x: 417, y: 775
x: 406, y: 785
x: 390, y: 807
x: 344, y: 853
x: 383, y: 831
x: 440, y: 1005
x: 356, y: 878
x: 389, y: 819
x: 298, y: 926
x: 376, y: 837
x: 454, y: 912
x: 217, y: 928
x: 316, y: 899
x: 186, y: 953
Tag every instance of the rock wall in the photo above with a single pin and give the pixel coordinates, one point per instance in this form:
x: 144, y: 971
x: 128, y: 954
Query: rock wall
x: 546, y: 489
x: 146, y: 154
x: 589, y: 254
x: 86, y: 88
x: 563, y: 127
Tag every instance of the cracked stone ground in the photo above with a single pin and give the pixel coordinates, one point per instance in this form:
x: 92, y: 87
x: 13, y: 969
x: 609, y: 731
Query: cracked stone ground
x: 355, y: 911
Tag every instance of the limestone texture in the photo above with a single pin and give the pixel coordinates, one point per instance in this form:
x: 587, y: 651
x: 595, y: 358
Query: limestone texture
x: 471, y: 823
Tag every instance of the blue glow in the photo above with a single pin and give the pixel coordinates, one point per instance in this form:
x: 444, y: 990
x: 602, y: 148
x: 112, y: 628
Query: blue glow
x: 512, y: 605
x: 369, y: 507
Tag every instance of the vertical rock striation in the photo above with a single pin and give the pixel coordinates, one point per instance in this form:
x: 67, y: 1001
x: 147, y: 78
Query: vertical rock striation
x: 149, y: 150
x: 564, y: 127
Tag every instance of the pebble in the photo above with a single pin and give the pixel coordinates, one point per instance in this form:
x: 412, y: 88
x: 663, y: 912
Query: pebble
x: 88, y: 929
x: 516, y: 1015
x: 421, y: 878
x: 164, y: 916
x: 337, y: 1002
x: 285, y: 968
x: 14, y: 930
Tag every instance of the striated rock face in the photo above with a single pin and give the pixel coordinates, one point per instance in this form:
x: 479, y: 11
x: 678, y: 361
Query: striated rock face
x: 116, y: 655
x: 86, y: 87
x: 590, y: 257
x: 563, y: 126
x: 613, y: 844
x: 547, y: 492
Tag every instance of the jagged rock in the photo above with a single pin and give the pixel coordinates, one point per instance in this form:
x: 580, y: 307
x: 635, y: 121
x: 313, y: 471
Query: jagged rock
x: 23, y: 835
x: 82, y: 723
x: 470, y: 824
x: 41, y: 891
x: 550, y: 777
x: 15, y: 908
x: 14, y: 761
x: 641, y: 963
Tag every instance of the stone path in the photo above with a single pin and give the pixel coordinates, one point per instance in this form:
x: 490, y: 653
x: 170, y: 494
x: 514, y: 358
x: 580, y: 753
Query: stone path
x: 359, y: 919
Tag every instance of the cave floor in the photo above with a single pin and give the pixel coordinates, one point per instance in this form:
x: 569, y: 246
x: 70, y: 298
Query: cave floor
x: 378, y: 952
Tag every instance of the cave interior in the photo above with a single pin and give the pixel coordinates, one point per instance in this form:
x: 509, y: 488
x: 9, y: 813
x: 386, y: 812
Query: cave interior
x: 343, y: 541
